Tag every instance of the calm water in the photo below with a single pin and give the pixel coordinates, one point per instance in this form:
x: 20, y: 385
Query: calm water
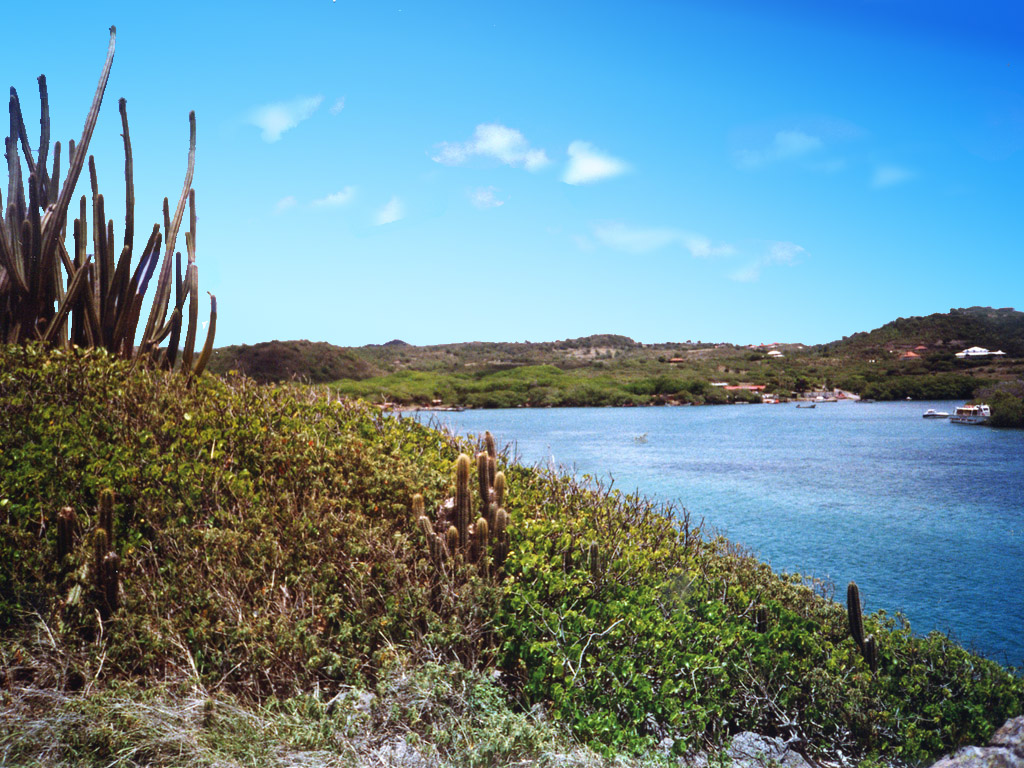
x: 926, y: 516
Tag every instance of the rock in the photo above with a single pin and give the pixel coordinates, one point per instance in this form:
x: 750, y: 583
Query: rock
x: 751, y: 750
x: 1004, y: 750
x: 398, y: 753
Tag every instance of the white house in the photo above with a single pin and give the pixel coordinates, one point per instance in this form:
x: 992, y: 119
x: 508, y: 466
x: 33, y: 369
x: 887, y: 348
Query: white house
x: 979, y: 352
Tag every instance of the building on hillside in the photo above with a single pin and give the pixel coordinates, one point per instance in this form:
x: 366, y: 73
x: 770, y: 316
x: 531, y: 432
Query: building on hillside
x: 775, y: 353
x: 979, y: 352
x: 910, y: 356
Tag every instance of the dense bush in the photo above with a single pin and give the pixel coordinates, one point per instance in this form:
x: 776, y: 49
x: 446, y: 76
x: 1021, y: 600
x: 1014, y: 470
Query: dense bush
x: 267, y: 548
x: 938, y: 386
x: 1006, y: 400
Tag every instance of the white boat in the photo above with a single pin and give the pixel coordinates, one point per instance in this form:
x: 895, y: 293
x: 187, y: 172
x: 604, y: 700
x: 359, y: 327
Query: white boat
x: 971, y: 414
x: 931, y: 413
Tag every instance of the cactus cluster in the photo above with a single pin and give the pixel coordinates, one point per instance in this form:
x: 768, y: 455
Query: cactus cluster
x: 51, y: 295
x: 484, y: 542
x: 105, y: 563
x: 868, y: 646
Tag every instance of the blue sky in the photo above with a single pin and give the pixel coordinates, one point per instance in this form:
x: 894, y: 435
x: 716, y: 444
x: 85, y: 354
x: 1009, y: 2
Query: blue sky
x: 442, y: 172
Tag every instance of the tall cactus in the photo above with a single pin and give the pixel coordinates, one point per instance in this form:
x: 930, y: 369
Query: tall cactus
x: 499, y: 489
x: 111, y: 581
x: 594, y: 559
x: 483, y: 477
x: 481, y: 542
x: 500, y: 538
x: 452, y: 540
x: 871, y: 652
x: 67, y: 522
x: 106, y: 515
x: 48, y: 294
x: 463, y: 505
x: 854, y: 615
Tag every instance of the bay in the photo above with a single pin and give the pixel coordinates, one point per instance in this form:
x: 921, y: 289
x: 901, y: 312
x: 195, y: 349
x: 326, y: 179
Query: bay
x: 926, y: 516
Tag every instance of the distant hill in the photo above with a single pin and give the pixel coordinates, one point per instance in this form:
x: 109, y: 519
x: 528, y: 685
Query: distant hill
x: 949, y: 332
x: 308, y: 361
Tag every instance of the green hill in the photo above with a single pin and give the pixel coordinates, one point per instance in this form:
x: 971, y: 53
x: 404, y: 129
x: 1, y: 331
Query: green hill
x: 307, y: 361
x: 259, y: 547
x: 994, y: 329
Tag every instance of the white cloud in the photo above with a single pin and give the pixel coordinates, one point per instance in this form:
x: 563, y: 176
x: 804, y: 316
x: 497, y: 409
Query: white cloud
x: 783, y: 253
x: 275, y: 119
x: 643, y: 240
x: 890, y: 176
x: 393, y: 211
x: 587, y: 164
x: 748, y: 274
x: 485, y: 197
x: 285, y: 203
x: 336, y: 200
x: 337, y: 106
x: 785, y: 145
x: 495, y: 141
x: 780, y: 252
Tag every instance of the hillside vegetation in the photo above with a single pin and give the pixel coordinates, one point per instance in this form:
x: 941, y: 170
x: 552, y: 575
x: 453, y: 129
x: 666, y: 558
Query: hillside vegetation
x: 616, y: 370
x: 259, y: 545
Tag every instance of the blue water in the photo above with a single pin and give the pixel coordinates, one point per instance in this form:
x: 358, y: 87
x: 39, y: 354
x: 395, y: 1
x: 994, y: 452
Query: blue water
x: 926, y: 516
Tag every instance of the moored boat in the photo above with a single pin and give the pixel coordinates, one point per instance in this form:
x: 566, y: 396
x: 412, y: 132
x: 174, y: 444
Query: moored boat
x: 931, y: 413
x: 971, y: 414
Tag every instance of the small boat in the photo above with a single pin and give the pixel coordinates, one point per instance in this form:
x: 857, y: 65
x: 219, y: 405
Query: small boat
x: 971, y: 414
x: 805, y: 405
x: 931, y: 413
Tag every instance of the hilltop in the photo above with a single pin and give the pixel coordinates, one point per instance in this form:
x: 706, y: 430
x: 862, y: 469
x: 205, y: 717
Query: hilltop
x: 994, y: 329
x: 909, y: 357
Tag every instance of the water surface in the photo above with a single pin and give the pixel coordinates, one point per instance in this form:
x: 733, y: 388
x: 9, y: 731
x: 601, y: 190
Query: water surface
x: 926, y: 516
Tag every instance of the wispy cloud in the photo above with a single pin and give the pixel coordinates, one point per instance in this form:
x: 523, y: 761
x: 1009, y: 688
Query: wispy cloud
x: 284, y: 204
x: 890, y: 176
x: 393, y: 211
x: 587, y: 164
x: 336, y: 200
x: 644, y: 240
x: 785, y: 145
x: 780, y: 252
x: 495, y: 141
x: 337, y: 106
x: 486, y: 197
x: 275, y: 119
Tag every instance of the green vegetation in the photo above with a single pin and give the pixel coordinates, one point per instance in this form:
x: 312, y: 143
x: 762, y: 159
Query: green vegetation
x: 1006, y: 400
x: 615, y: 370
x: 270, y: 556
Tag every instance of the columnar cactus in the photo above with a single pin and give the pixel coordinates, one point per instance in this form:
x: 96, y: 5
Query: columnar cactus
x: 489, y: 444
x: 871, y: 652
x: 106, y: 514
x: 854, y: 615
x: 67, y: 522
x: 452, y: 540
x: 418, y: 507
x: 463, y: 505
x: 761, y: 617
x: 434, y: 545
x: 100, y: 547
x: 481, y: 538
x: 111, y: 583
x: 500, y: 537
x: 594, y: 559
x: 483, y: 477
x: 499, y: 489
